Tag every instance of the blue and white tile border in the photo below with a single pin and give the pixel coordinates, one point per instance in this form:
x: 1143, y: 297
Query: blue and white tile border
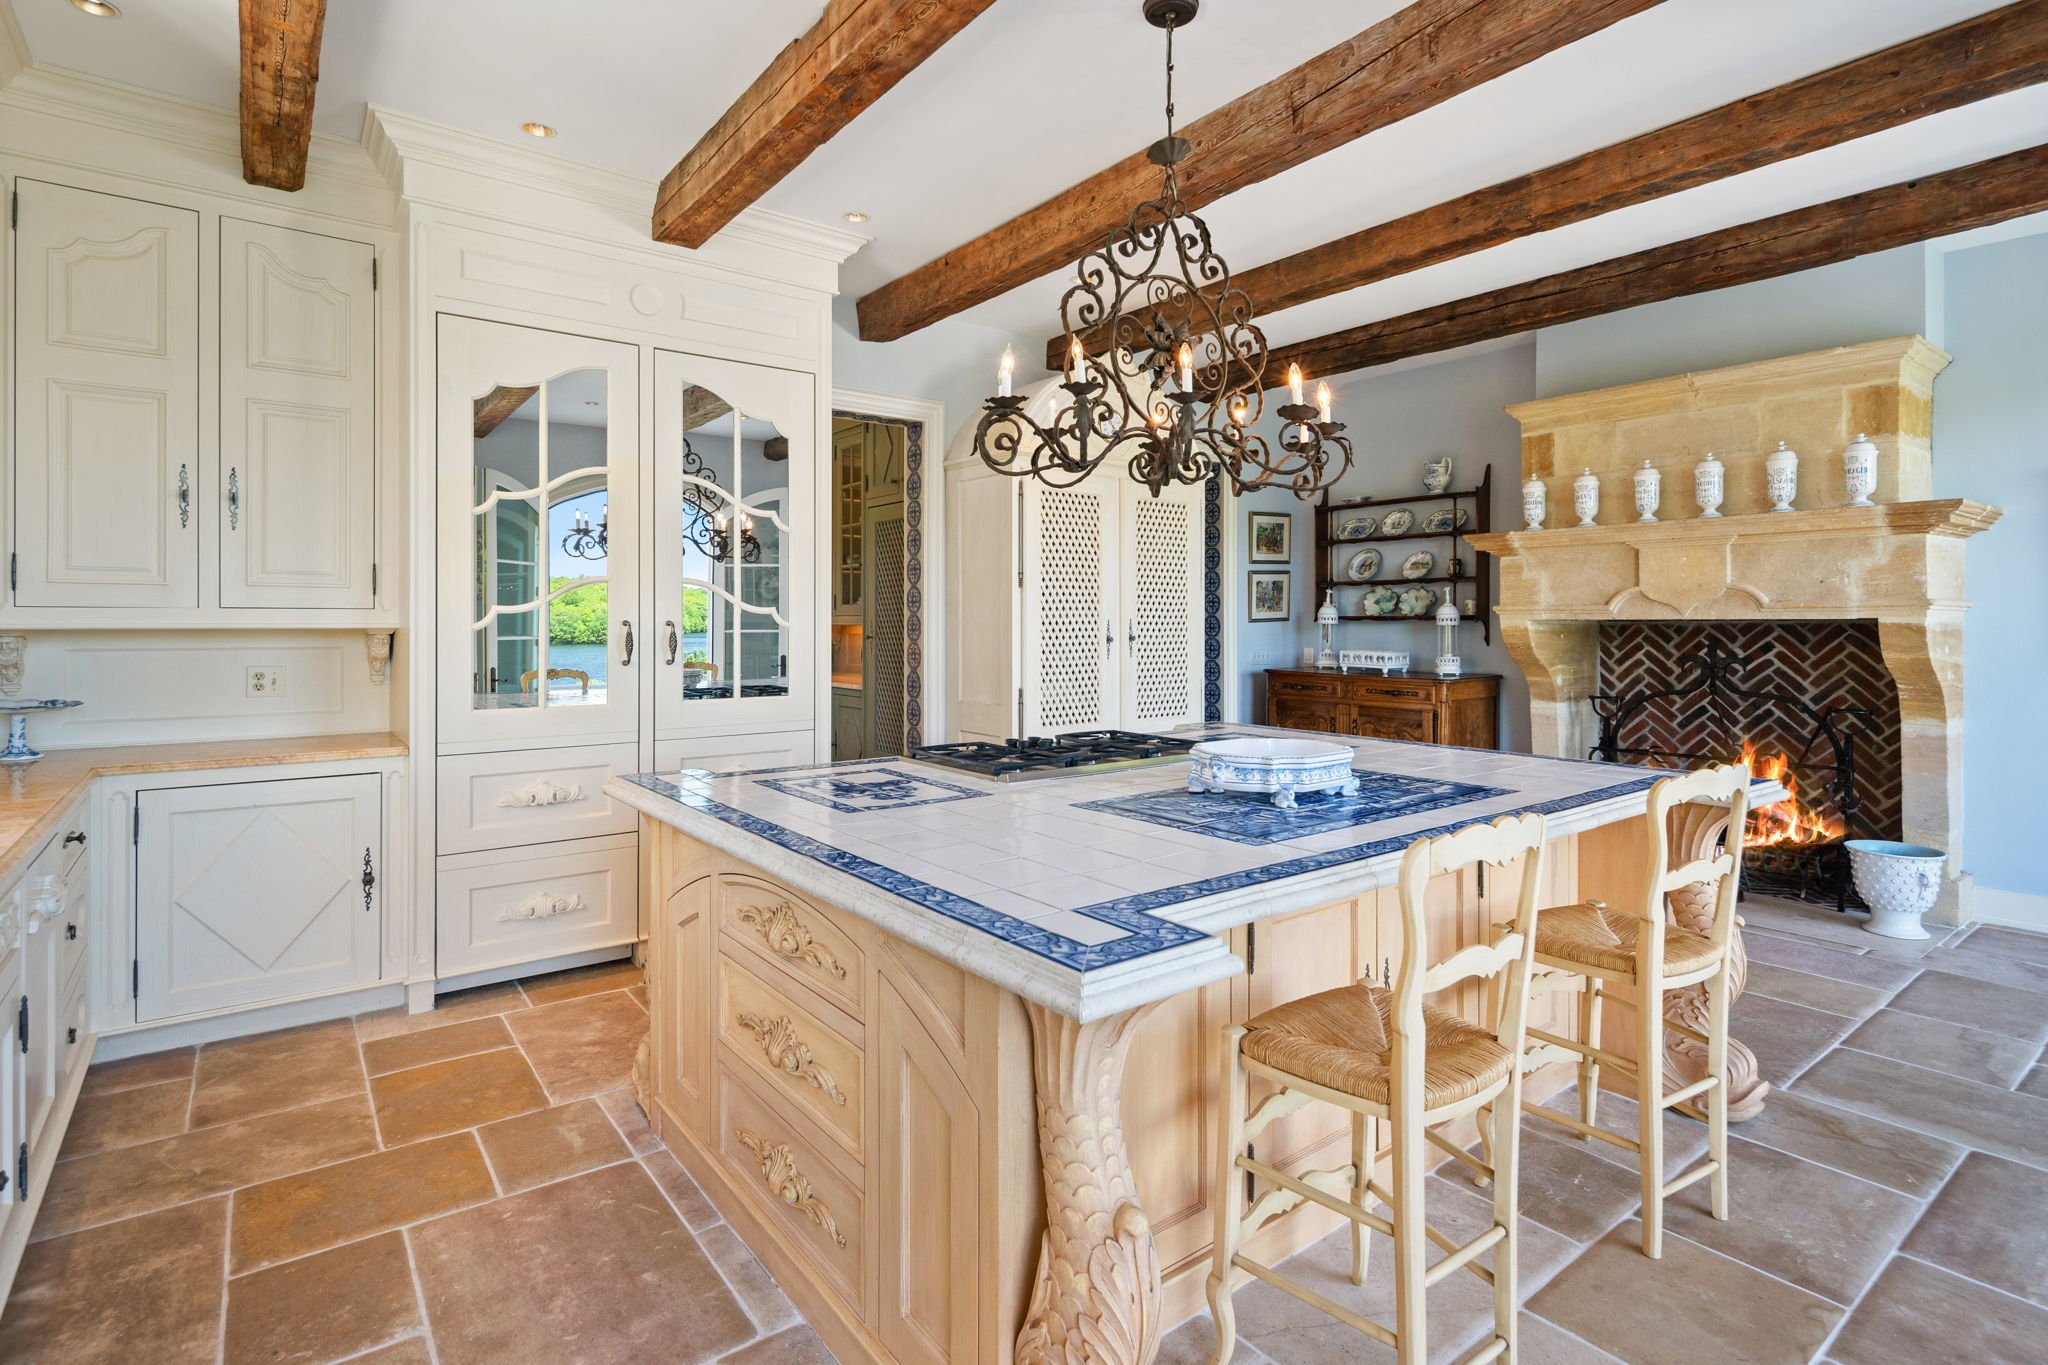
x: 1212, y: 600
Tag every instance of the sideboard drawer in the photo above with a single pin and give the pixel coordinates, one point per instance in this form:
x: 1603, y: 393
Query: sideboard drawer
x: 794, y: 936
x: 1307, y: 687
x: 1415, y: 723
x: 1370, y: 690
x: 495, y: 911
x: 801, y: 1056
x: 507, y: 800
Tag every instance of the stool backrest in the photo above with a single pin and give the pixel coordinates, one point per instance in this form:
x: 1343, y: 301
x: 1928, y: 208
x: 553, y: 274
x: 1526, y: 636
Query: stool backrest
x: 1511, y: 958
x: 1724, y: 785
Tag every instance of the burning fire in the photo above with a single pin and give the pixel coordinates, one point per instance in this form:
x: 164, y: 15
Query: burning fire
x: 1789, y: 821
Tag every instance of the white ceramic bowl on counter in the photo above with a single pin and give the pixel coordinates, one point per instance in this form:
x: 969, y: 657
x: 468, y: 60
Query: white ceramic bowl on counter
x: 1274, y: 768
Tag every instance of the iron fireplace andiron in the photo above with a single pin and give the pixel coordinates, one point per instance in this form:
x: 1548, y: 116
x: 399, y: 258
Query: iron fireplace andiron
x: 1709, y: 691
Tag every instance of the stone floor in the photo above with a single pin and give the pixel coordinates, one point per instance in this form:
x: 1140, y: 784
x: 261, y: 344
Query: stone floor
x: 476, y: 1185
x: 473, y: 1184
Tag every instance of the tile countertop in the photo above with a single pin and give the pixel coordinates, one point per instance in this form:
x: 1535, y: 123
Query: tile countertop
x: 34, y: 798
x: 1096, y: 893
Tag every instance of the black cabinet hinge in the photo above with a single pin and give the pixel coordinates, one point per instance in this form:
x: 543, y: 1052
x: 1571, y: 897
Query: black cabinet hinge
x: 14, y: 211
x: 373, y: 274
x: 373, y: 581
x: 21, y: 1026
x: 21, y: 1173
x: 135, y: 833
x: 13, y: 572
x: 135, y: 978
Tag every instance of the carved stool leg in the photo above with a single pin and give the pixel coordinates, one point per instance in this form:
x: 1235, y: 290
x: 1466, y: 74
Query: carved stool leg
x: 1097, y: 1300
x: 1692, y: 907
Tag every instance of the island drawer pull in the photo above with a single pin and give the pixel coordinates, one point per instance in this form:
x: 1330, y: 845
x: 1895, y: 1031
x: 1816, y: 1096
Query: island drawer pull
x: 787, y: 935
x: 788, y: 1053
x: 780, y: 1174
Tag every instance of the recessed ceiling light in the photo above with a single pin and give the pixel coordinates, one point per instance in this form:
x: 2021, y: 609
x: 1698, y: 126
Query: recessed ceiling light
x: 530, y: 129
x: 855, y: 217
x: 98, y: 9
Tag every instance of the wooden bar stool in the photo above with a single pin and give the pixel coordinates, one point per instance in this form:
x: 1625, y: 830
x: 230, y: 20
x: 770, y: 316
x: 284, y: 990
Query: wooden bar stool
x: 1580, y: 947
x: 1387, y: 1056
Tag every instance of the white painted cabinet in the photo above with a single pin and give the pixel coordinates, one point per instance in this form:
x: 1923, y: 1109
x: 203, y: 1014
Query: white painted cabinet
x: 106, y: 432
x: 256, y: 891
x: 298, y: 442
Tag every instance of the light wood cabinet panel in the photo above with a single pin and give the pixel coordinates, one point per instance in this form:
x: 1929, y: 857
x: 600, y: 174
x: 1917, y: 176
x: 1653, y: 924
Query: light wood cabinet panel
x: 298, y: 440
x: 682, y: 1034
x: 801, y: 1056
x: 794, y: 937
x: 1170, y: 1098
x: 107, y: 400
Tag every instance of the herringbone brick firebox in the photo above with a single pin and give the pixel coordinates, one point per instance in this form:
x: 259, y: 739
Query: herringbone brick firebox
x: 1825, y: 663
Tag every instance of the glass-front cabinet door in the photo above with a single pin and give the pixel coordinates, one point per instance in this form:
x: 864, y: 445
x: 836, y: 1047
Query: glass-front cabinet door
x: 737, y: 492
x: 538, y: 436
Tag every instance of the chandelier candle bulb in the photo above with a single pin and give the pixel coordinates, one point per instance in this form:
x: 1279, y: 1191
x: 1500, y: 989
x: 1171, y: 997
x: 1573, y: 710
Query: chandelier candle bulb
x: 1781, y: 477
x: 1187, y: 368
x: 1006, y: 371
x: 1323, y: 400
x: 1649, y: 489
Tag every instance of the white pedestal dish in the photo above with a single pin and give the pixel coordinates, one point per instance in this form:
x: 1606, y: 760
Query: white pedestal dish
x: 1275, y: 768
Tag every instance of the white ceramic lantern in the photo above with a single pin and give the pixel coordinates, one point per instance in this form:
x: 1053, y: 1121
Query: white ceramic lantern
x: 1448, y: 664
x: 1859, y: 470
x: 1533, y: 503
x: 1326, y: 620
x: 1649, y: 491
x: 1709, y: 482
x: 1586, y: 497
x: 1781, y: 477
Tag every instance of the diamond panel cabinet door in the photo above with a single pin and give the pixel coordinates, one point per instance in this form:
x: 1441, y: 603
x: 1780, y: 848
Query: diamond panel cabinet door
x: 255, y: 891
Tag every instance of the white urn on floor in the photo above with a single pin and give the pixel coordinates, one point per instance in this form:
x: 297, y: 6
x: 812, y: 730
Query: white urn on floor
x: 1898, y: 881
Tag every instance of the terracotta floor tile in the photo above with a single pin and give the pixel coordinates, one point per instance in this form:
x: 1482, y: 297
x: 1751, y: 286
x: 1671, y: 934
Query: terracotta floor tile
x: 146, y: 1288
x: 584, y: 1046
x: 639, y: 994
x: 1979, y: 1004
x: 2013, y: 943
x: 627, y: 1117
x: 599, y: 1260
x: 1666, y: 1312
x: 403, y: 1050
x: 549, y: 1144
x: 1565, y: 1186
x: 151, y: 1068
x: 1801, y: 956
x: 1685, y: 1140
x: 154, y: 1175
x: 799, y: 1345
x: 282, y: 1219
x: 690, y: 1203
x: 446, y: 1097
x: 411, y: 1351
x: 323, y: 1307
x: 1899, y: 1158
x: 581, y: 981
x: 1819, y: 1228
x: 452, y: 1008
x: 272, y: 1071
x: 1990, y: 1222
x: 1956, y: 1049
x: 758, y: 1293
x: 122, y: 1118
x: 1917, y: 1312
x: 1815, y: 992
x: 1980, y: 1116
x: 1785, y: 1038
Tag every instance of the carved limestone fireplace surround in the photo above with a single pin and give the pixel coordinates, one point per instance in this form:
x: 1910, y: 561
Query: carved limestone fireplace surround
x: 1898, y: 563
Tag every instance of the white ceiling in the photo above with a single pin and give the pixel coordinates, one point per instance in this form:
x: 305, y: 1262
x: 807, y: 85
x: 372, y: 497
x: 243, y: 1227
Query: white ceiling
x: 1036, y: 94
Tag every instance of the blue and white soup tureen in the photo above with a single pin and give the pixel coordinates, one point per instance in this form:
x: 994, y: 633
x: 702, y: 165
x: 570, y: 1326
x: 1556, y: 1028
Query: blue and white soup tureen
x: 1275, y: 768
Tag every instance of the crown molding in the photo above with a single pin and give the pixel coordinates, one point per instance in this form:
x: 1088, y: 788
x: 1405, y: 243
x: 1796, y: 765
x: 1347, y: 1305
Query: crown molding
x: 14, y: 58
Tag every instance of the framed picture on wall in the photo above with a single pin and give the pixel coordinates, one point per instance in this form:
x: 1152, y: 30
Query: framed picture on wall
x: 1272, y: 538
x: 1269, y: 597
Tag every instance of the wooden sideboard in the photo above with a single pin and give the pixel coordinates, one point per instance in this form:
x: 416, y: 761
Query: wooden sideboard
x: 1420, y: 707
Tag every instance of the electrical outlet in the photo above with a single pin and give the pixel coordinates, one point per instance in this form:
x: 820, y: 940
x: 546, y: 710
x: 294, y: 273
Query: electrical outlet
x: 265, y: 680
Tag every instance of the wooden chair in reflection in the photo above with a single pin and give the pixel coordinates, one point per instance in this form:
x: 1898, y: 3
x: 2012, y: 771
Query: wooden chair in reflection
x: 555, y: 675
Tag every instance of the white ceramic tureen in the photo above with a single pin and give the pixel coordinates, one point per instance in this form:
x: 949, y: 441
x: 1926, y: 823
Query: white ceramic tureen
x: 1277, y: 768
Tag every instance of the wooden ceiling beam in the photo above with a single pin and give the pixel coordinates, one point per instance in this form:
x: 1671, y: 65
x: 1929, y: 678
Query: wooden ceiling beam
x: 1408, y: 62
x: 856, y: 52
x: 494, y: 407
x: 1991, y: 54
x: 1877, y: 220
x: 280, y: 68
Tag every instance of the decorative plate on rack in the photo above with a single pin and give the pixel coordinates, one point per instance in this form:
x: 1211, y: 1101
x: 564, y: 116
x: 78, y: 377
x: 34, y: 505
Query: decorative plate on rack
x: 1399, y: 522
x: 1418, y: 565
x: 1417, y: 601
x: 1356, y: 528
x: 1379, y: 602
x: 1446, y: 519
x: 1363, y: 565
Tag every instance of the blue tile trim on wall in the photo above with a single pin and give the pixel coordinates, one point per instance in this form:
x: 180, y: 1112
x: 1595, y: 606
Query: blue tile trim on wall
x: 913, y: 570
x: 1212, y: 600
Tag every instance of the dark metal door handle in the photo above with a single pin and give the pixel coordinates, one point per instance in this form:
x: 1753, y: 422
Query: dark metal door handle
x: 628, y: 660
x: 234, y: 499
x: 369, y: 880
x: 673, y: 641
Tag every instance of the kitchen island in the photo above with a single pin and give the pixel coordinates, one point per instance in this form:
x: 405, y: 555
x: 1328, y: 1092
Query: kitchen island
x: 945, y: 1050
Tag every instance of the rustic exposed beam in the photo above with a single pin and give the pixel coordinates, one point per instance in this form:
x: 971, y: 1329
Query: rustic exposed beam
x: 701, y: 406
x: 2005, y: 49
x: 1407, y: 62
x: 280, y: 68
x: 855, y: 53
x: 1876, y: 220
x: 494, y: 407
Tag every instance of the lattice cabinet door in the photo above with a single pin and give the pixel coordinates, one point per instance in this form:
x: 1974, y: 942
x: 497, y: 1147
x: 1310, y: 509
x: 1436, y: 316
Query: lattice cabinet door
x: 1071, y: 607
x: 1160, y: 644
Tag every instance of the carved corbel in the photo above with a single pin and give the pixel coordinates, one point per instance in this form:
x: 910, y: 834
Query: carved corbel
x: 13, y: 657
x: 377, y: 644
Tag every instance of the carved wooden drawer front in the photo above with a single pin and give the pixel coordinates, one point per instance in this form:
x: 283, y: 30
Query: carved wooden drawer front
x: 1396, y: 722
x: 802, y: 1189
x: 1370, y: 691
x: 1308, y: 687
x: 505, y: 800
x: 796, y: 936
x: 804, y: 1059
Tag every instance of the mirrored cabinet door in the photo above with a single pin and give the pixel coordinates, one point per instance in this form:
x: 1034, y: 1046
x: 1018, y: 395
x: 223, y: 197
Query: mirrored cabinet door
x: 737, y: 494
x: 540, y: 636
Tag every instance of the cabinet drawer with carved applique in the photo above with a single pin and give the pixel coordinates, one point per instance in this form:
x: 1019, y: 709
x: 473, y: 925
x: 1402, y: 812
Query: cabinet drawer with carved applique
x: 505, y: 800
x: 801, y: 1048
x: 492, y: 910
x: 795, y: 935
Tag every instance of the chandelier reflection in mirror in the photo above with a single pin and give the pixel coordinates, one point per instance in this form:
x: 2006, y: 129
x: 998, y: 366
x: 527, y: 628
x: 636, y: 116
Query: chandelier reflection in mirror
x: 1177, y: 381
x: 710, y: 528
x: 585, y: 541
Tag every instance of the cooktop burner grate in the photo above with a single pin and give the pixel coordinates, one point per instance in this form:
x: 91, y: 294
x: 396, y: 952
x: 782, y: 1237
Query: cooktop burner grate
x: 1039, y: 756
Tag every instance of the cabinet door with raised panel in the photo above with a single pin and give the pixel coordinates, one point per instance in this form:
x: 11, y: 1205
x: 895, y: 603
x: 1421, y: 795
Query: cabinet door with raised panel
x: 253, y: 891
x: 1163, y: 608
x: 298, y: 408
x: 106, y: 423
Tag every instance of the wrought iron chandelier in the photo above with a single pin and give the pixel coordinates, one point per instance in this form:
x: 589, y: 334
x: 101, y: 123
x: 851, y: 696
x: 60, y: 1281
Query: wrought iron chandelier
x: 1180, y: 376
x: 711, y: 530
x: 585, y: 541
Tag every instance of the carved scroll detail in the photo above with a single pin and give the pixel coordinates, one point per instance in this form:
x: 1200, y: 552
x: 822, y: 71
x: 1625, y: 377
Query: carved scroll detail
x: 543, y: 905
x: 780, y: 1174
x: 1696, y: 833
x: 787, y: 1052
x: 789, y: 936
x: 541, y: 792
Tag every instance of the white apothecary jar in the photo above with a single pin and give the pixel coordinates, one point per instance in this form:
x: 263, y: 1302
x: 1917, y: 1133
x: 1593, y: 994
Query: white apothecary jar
x: 1586, y: 497
x: 1649, y: 491
x: 1709, y: 484
x: 1859, y: 470
x: 1781, y: 477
